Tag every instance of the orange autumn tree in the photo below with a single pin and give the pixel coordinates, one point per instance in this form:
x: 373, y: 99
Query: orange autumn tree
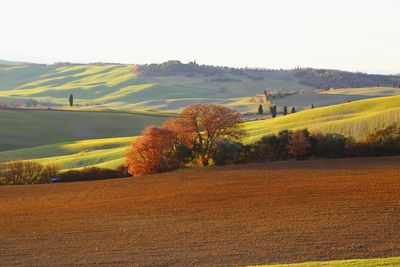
x: 299, y: 145
x: 201, y: 127
x: 152, y: 152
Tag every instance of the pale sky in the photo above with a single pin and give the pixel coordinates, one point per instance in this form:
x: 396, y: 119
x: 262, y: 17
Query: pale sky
x: 355, y: 35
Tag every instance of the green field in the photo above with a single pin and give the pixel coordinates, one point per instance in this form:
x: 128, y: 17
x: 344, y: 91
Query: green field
x: 334, y: 97
x: 107, y: 153
x: 356, y: 119
x: 388, y: 262
x: 32, y: 128
x: 119, y: 87
x: 53, y: 136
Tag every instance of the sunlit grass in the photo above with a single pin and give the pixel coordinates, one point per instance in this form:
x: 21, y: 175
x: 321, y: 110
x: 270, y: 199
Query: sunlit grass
x: 387, y: 262
x: 356, y: 119
x: 106, y: 152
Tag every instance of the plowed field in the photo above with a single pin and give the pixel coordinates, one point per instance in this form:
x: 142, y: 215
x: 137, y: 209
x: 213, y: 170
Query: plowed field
x: 235, y: 215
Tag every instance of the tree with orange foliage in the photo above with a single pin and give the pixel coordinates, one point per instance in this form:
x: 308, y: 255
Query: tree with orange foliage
x: 299, y: 145
x: 201, y: 127
x: 152, y: 152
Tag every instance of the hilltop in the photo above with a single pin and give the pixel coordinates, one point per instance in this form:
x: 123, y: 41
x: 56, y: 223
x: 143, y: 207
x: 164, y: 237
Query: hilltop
x: 169, y: 86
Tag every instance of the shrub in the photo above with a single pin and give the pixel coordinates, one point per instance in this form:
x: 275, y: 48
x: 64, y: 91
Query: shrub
x: 25, y: 172
x: 329, y: 145
x: 386, y: 141
x: 298, y: 145
x: 226, y: 152
x: 50, y: 171
x: 92, y: 173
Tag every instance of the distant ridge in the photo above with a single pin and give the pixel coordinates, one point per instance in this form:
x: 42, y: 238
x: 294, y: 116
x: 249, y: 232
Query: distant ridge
x: 13, y: 63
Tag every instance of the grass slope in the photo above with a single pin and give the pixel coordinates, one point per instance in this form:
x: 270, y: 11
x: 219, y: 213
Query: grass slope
x: 106, y: 153
x: 333, y: 97
x: 31, y: 128
x: 357, y: 119
x: 388, y: 262
x: 117, y: 86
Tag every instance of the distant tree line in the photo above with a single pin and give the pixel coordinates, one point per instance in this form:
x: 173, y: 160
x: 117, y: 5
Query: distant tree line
x: 26, y: 172
x: 175, y: 67
x: 33, y: 172
x: 326, y: 79
x: 302, y: 144
x: 25, y: 103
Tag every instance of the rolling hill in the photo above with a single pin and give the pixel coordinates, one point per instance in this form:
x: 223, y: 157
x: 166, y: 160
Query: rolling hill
x: 106, y: 153
x: 358, y: 119
x: 170, y: 86
x: 120, y: 87
x: 32, y: 128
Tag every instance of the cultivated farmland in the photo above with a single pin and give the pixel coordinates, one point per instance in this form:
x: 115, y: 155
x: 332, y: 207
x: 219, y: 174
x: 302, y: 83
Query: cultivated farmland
x: 283, y: 212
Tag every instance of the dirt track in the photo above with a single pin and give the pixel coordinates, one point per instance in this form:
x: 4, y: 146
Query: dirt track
x: 235, y: 215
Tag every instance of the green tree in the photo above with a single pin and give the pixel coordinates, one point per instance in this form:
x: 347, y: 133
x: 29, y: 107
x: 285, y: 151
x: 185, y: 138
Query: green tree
x: 272, y: 109
x: 266, y: 95
x: 312, y: 105
x: 71, y: 100
x: 285, y: 110
x: 293, y: 110
x: 260, y: 109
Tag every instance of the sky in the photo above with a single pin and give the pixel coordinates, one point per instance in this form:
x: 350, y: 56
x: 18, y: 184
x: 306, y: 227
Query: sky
x: 354, y: 35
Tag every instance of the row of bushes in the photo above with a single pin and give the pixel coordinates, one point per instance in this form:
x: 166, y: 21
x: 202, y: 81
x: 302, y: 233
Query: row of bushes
x: 302, y: 144
x: 93, y: 173
x: 33, y: 172
x: 26, y: 172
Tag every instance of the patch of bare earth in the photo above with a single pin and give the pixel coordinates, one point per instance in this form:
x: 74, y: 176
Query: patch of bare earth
x: 235, y: 215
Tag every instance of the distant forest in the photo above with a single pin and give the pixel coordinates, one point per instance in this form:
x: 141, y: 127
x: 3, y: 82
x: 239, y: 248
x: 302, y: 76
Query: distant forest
x: 324, y: 79
x: 317, y: 78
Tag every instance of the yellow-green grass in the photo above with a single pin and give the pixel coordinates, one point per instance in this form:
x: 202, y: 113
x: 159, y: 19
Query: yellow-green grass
x: 32, y: 128
x: 106, y: 152
x: 117, y: 86
x: 380, y: 262
x: 356, y: 119
x: 370, y: 91
x: 333, y: 97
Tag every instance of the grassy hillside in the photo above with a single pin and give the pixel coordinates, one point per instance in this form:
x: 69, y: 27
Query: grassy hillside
x: 107, y: 152
x: 388, y: 262
x: 333, y: 96
x: 119, y: 87
x: 357, y: 119
x: 31, y: 128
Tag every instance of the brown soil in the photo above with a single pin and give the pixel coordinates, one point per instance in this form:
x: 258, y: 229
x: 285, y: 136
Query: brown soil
x: 236, y: 215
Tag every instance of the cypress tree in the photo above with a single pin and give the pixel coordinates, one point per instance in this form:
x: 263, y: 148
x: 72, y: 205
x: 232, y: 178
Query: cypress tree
x: 71, y: 100
x: 272, y: 109
x: 260, y: 109
x: 293, y: 110
x: 266, y: 95
x: 285, y: 110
